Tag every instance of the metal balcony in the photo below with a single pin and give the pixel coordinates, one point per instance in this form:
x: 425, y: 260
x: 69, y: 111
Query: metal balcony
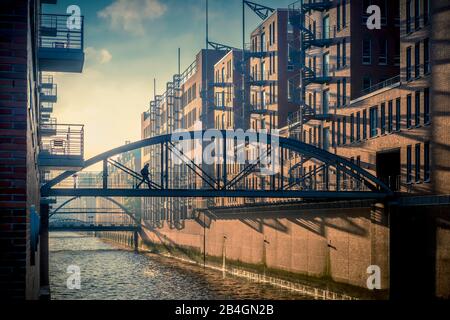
x: 321, y: 38
x: 307, y: 114
x: 221, y: 83
x: 260, y: 79
x: 60, y: 47
x: 49, y: 93
x: 47, y: 127
x: 257, y: 52
x: 219, y: 103
x: 263, y: 107
x: 46, y: 108
x: 64, y: 149
x: 316, y: 75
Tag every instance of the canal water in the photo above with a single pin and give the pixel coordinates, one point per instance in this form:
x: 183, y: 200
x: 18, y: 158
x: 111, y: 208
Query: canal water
x: 108, y: 272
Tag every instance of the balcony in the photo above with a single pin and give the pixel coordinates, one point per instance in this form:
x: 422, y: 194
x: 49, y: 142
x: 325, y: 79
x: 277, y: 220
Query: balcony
x: 319, y: 75
x: 63, y: 149
x: 47, y: 126
x: 260, y: 79
x: 46, y: 108
x: 257, y: 51
x: 307, y: 114
x: 263, y: 107
x: 222, y: 83
x: 384, y: 84
x: 220, y: 104
x: 60, y: 47
x: 48, y: 90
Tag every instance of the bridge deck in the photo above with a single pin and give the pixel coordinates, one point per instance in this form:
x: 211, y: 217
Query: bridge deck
x: 173, y: 193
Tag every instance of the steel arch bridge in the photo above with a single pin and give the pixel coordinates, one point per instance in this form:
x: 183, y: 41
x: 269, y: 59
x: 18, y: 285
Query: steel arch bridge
x: 341, y: 178
x: 77, y: 225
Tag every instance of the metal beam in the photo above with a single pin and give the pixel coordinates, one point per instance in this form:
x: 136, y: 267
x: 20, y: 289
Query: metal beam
x: 302, y: 148
x: 208, y: 193
x: 220, y: 46
x: 260, y: 10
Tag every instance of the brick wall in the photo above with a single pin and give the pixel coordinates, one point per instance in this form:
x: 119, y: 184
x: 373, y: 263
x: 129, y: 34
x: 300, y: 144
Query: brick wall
x: 18, y: 175
x: 333, y: 243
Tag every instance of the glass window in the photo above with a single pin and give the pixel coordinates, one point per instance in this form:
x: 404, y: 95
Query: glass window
x: 408, y: 63
x: 344, y: 52
x: 426, y: 106
x: 427, y: 163
x: 344, y: 92
x: 367, y: 51
x: 426, y: 56
x: 408, y: 164
x: 383, y: 118
x: 344, y: 13
x: 352, y: 127
x: 417, y: 14
x: 408, y: 112
x: 338, y: 93
x: 358, y: 126
x: 417, y: 162
x: 326, y: 27
x: 408, y: 15
x: 364, y: 124
x: 338, y: 55
x: 426, y: 11
x: 417, y: 109
x: 344, y: 130
x: 326, y: 64
x: 339, y: 132
x: 398, y: 114
x: 417, y: 60
x: 338, y: 14
x: 373, y: 122
x: 390, y: 116
x: 325, y: 101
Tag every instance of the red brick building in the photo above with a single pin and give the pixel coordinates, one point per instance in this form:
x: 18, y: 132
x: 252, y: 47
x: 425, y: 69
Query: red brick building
x: 31, y: 43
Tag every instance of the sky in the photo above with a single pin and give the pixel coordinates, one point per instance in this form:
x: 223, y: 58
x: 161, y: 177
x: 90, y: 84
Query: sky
x: 128, y: 43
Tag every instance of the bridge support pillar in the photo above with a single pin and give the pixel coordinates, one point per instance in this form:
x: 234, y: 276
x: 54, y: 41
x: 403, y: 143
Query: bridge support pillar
x: 136, y: 240
x: 44, y: 252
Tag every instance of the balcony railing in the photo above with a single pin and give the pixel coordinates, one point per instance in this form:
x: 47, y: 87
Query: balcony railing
x: 67, y: 140
x: 260, y: 78
x: 49, y: 93
x: 46, y: 108
x: 381, y: 85
x: 60, y: 45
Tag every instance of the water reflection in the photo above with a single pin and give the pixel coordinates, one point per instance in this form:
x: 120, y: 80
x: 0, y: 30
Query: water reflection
x: 108, y: 272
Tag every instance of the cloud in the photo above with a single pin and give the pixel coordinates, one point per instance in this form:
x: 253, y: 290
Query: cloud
x: 101, y: 56
x: 130, y: 15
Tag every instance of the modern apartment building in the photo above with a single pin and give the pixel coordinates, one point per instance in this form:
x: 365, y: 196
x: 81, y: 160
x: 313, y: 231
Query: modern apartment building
x: 32, y: 143
x: 188, y: 103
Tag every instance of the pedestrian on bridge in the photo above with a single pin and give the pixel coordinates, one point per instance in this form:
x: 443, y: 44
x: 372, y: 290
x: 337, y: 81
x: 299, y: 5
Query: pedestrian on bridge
x: 145, y: 177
